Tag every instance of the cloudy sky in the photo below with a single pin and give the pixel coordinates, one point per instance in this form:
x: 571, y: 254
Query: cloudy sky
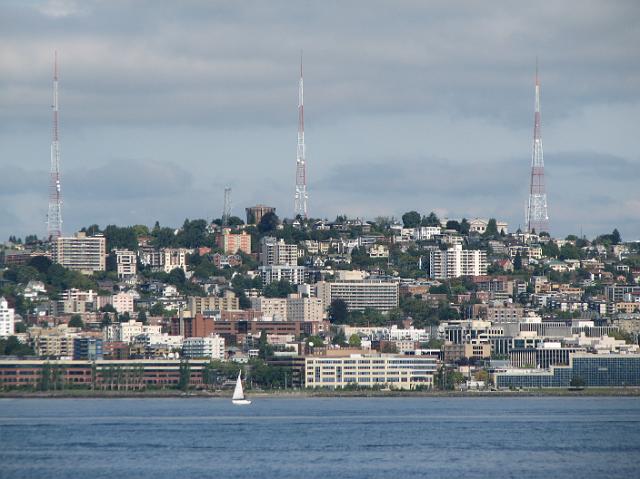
x: 424, y: 105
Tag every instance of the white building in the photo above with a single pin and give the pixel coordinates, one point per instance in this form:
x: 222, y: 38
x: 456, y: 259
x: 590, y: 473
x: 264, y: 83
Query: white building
x: 126, y: 263
x: 360, y: 295
x: 7, y: 319
x: 293, y: 274
x: 479, y: 225
x: 82, y: 253
x: 128, y: 331
x: 305, y: 309
x: 455, y: 262
x: 173, y: 258
x: 393, y: 371
x: 275, y: 308
x: 123, y: 302
x: 277, y: 252
x: 207, y: 347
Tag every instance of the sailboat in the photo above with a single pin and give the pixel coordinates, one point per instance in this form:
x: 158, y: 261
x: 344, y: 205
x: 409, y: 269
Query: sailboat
x: 238, y: 393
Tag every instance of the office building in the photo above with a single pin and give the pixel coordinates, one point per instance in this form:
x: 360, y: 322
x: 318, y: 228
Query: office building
x: 393, y: 371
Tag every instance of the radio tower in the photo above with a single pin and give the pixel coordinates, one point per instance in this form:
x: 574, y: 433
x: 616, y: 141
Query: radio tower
x: 537, y: 217
x: 300, y: 207
x: 226, y: 212
x: 54, y: 215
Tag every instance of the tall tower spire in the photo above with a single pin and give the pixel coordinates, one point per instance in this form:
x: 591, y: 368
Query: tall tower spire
x: 54, y: 215
x: 537, y: 217
x: 301, y: 196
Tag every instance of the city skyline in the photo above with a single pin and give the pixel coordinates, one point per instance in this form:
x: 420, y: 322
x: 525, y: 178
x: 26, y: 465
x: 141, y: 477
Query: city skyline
x: 396, y: 124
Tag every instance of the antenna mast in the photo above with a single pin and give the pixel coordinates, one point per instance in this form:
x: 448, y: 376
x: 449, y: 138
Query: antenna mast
x: 54, y: 215
x: 301, y: 196
x: 226, y: 212
x: 537, y: 217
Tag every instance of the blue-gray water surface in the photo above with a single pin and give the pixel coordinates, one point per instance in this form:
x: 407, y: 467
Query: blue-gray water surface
x: 320, y: 438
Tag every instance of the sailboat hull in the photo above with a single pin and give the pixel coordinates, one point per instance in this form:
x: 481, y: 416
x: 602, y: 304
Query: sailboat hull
x: 241, y: 402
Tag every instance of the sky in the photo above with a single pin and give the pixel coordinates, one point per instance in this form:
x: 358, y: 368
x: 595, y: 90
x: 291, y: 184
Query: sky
x: 409, y: 105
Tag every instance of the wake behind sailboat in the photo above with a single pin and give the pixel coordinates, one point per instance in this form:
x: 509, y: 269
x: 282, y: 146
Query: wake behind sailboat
x: 238, y: 393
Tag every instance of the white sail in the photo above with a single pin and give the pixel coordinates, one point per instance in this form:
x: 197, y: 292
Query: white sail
x: 238, y: 393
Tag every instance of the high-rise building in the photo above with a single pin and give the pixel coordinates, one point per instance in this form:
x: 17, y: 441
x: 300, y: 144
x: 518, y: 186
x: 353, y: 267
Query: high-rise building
x: 360, y: 295
x: 54, y: 214
x: 7, y: 319
x: 82, y: 253
x: 276, y: 252
x: 231, y: 243
x: 255, y: 213
x: 301, y: 196
x: 455, y: 262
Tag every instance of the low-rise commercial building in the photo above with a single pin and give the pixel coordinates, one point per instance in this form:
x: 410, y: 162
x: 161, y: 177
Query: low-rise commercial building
x: 393, y: 371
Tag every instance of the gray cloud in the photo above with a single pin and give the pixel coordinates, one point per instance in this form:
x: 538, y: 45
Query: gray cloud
x: 409, y: 104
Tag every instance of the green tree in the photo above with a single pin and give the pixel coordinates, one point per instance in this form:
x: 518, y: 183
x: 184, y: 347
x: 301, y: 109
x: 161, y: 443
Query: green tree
x: 157, y: 310
x: 278, y: 289
x: 431, y: 220
x: 465, y: 226
x: 615, y: 237
x: 339, y: 338
x: 411, y: 219
x: 184, y: 380
x: 453, y: 225
x: 517, y: 262
x: 76, y: 321
x: 577, y: 382
x: 492, y: 229
x: 268, y: 223
x: 355, y: 341
x: 338, y: 311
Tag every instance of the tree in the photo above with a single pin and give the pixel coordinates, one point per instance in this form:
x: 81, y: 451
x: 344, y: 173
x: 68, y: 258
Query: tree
x: 142, y: 317
x: 355, y: 341
x: 185, y: 375
x: 431, y: 220
x: 315, y: 341
x: 615, y: 237
x: 453, y: 225
x: 278, y: 289
x: 76, y: 321
x: 517, y: 262
x: 465, y: 226
x: 492, y: 229
x: 411, y: 219
x: 338, y: 311
x: 268, y: 223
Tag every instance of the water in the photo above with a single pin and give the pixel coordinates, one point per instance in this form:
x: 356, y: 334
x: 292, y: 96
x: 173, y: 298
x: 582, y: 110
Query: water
x: 320, y: 438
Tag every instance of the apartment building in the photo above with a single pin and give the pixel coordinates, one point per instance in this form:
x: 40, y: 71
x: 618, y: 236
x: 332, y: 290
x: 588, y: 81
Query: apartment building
x: 393, y: 371
x: 360, y: 295
x: 199, y: 304
x: 277, y: 252
x: 231, y: 243
x: 205, y: 347
x: 7, y: 319
x: 455, y: 262
x: 292, y: 274
x: 126, y: 263
x: 82, y: 253
x: 275, y: 308
x: 172, y: 258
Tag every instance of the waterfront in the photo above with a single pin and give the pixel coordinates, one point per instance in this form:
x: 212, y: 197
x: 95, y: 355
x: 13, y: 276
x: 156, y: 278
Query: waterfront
x: 320, y: 437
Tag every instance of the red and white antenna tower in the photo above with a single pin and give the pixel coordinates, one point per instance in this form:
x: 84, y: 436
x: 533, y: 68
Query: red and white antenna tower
x: 301, y: 197
x: 54, y: 215
x: 537, y: 217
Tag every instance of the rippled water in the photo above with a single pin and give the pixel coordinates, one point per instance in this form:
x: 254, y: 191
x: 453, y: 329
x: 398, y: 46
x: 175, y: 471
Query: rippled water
x: 320, y: 438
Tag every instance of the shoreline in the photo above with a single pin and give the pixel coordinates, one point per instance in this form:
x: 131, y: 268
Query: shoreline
x: 311, y: 394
